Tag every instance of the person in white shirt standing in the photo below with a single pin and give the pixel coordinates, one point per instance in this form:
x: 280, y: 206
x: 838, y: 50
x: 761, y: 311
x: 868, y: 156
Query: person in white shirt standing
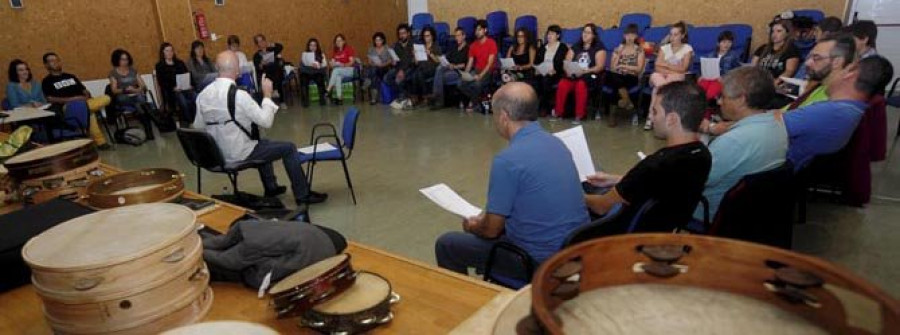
x: 234, y: 138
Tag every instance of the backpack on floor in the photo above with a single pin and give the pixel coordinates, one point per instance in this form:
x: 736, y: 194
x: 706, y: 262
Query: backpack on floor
x: 130, y: 135
x: 163, y: 120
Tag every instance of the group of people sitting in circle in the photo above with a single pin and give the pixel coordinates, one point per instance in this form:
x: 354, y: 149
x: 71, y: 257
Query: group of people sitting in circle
x: 535, y: 198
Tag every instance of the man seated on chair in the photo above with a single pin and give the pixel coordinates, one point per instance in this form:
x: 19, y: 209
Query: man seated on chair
x: 482, y: 59
x: 826, y: 127
x: 534, y: 194
x: 756, y: 142
x: 673, y: 176
x: 61, y: 88
x: 268, y: 60
x: 233, y: 134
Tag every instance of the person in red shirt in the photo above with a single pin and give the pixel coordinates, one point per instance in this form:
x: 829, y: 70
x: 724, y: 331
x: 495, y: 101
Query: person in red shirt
x: 482, y: 56
x: 343, y: 58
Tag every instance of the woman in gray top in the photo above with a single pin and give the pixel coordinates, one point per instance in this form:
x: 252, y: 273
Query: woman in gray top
x: 128, y: 88
x: 202, y: 70
x: 377, y: 69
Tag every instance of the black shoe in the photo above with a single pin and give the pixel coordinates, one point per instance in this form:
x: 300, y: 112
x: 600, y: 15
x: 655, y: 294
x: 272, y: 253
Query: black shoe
x: 313, y: 198
x: 322, y: 101
x: 279, y: 190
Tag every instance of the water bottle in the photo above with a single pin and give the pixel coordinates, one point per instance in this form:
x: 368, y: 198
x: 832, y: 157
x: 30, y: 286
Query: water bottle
x: 486, y: 105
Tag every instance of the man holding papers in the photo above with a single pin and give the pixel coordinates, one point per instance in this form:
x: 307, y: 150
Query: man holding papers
x: 482, y: 58
x: 673, y: 176
x: 534, y: 193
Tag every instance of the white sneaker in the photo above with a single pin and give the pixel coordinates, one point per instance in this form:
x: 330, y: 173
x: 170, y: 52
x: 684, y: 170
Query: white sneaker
x: 634, y: 120
x: 396, y: 104
x: 407, y: 104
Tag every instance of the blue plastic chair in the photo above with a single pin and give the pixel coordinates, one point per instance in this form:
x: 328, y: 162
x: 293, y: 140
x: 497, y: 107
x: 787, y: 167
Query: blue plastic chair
x: 704, y: 40
x: 814, y: 14
x: 655, y: 34
x: 419, y: 21
x: 642, y: 20
x: 467, y: 24
x: 78, y: 117
x: 571, y: 36
x: 443, y: 35
x: 529, y: 22
x: 743, y: 33
x: 344, y: 144
x: 498, y: 25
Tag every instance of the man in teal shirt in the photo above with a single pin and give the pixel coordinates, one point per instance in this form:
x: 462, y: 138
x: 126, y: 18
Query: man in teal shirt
x: 756, y: 142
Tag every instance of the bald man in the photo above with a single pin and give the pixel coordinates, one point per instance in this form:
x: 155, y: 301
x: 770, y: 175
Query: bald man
x: 233, y: 130
x: 534, y: 194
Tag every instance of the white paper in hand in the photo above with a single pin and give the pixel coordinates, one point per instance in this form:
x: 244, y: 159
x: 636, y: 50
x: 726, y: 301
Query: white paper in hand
x: 183, y: 81
x: 319, y: 148
x: 709, y: 68
x: 573, y: 68
x: 308, y: 59
x: 375, y: 60
x: 543, y: 68
x: 507, y: 63
x: 443, y: 196
x: 444, y: 61
x: 465, y: 76
x: 394, y: 55
x: 575, y: 140
x: 421, y: 54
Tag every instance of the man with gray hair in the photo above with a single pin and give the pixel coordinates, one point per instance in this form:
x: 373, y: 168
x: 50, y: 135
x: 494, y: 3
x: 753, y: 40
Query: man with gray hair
x: 757, y: 141
x: 534, y: 193
x: 231, y: 127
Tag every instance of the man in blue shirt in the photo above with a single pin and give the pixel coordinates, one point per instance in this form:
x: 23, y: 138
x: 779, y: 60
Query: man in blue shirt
x: 534, y: 194
x: 756, y: 142
x: 826, y: 127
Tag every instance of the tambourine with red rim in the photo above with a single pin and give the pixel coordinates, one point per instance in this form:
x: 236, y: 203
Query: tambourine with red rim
x: 317, y: 283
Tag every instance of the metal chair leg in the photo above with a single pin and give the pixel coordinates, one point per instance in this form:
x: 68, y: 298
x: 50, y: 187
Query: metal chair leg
x: 199, y: 180
x: 349, y: 183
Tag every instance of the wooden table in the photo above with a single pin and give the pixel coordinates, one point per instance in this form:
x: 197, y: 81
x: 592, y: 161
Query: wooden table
x: 25, y: 114
x: 433, y: 300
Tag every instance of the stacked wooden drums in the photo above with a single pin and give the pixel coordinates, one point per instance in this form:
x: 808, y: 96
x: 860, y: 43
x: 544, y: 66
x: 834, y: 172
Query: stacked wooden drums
x: 61, y: 170
x: 129, y: 270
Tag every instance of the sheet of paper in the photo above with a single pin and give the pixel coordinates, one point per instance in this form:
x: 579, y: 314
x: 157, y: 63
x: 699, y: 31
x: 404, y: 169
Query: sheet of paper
x: 308, y: 59
x: 641, y: 155
x: 374, y: 60
x: 183, y: 81
x: 544, y: 68
x: 321, y: 147
x: 268, y: 58
x: 44, y: 107
x: 573, y: 68
x: 444, y: 61
x: 444, y: 196
x: 466, y: 76
x: 288, y: 69
x: 575, y: 140
x: 507, y: 63
x: 394, y: 55
x: 800, y: 83
x: 709, y: 68
x: 421, y: 54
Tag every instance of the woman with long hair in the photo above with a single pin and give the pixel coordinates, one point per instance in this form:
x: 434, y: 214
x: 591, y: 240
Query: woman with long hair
x: 672, y: 62
x: 522, y: 53
x: 22, y: 89
x: 343, y: 60
x: 167, y: 70
x: 626, y: 67
x: 590, y: 55
x: 313, y: 72
x: 779, y: 56
x: 202, y: 69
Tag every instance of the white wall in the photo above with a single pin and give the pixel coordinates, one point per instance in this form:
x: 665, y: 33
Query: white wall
x: 416, y: 6
x: 886, y: 14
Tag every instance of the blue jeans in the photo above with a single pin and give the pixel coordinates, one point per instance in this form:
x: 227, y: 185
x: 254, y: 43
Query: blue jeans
x: 400, y: 87
x: 186, y: 101
x: 271, y: 151
x: 444, y: 76
x: 457, y: 251
x: 474, y: 89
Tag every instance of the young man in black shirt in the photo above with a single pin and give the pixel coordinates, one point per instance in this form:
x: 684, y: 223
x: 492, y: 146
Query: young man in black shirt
x: 403, y: 70
x: 61, y: 88
x: 674, y: 176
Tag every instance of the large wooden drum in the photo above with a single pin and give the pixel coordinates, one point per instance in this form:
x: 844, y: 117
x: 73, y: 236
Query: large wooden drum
x: 135, y: 187
x: 130, y: 270
x: 61, y: 170
x: 683, y: 284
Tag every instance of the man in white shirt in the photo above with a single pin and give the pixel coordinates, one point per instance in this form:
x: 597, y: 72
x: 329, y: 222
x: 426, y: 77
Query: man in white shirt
x: 233, y: 136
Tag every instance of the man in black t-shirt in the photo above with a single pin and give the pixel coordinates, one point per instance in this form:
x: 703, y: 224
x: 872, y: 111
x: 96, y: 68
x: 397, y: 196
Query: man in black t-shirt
x: 61, y: 88
x: 268, y: 60
x: 674, y: 176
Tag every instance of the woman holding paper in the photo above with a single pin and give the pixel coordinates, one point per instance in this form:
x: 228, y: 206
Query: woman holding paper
x: 202, y: 70
x: 380, y: 62
x: 312, y: 69
x: 672, y: 62
x: 627, y: 64
x: 168, y: 70
x: 425, y: 69
x: 583, y: 66
x: 522, y: 53
x: 550, y: 58
x: 343, y: 58
x: 728, y: 59
x: 22, y: 90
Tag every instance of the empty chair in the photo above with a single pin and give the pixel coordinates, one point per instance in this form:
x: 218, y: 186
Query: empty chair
x: 743, y: 33
x: 345, y: 141
x: 642, y: 20
x: 498, y: 25
x: 814, y: 14
x: 467, y: 24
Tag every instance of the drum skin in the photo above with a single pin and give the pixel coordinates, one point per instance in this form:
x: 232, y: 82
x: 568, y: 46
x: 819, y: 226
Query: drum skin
x: 61, y: 170
x: 363, y: 307
x: 819, y: 292
x: 125, y: 270
x: 315, y: 284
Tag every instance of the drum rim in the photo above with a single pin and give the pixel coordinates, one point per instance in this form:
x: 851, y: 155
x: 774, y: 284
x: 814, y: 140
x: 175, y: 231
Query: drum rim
x: 345, y: 262
x: 516, y: 296
x: 887, y: 303
x: 100, y: 200
x: 187, y: 230
x: 386, y: 299
x: 14, y: 160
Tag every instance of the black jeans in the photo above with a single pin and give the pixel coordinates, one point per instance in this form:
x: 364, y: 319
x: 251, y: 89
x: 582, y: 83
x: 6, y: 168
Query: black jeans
x: 315, y: 76
x: 271, y: 151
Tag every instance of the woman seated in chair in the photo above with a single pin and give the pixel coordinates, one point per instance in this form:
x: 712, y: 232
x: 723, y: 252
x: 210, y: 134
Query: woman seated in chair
x: 376, y: 70
x: 627, y: 66
x: 343, y: 62
x: 313, y: 72
x: 590, y: 55
x: 202, y: 69
x: 552, y: 52
x: 522, y: 53
x: 167, y: 70
x: 22, y: 90
x: 729, y: 59
x: 779, y: 56
x: 424, y: 74
x: 128, y: 89
x: 673, y: 62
